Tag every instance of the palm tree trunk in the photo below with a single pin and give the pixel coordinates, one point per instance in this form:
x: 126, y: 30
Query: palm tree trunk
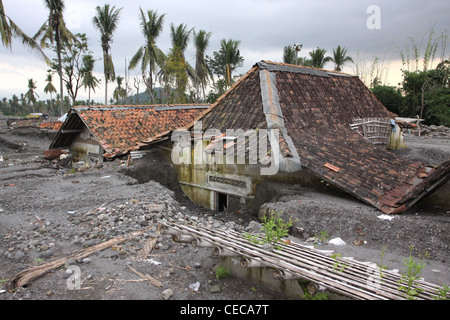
x: 58, y: 53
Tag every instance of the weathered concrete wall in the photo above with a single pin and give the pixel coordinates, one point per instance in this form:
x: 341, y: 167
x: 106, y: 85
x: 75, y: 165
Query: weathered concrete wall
x: 85, y: 145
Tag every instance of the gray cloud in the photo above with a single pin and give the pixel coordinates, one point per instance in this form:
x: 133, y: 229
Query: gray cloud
x: 264, y: 27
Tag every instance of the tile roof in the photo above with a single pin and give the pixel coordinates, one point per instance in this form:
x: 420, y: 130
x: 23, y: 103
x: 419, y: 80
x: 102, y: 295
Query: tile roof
x: 118, y: 129
x: 317, y: 108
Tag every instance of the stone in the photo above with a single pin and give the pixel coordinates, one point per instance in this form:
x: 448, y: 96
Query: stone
x: 167, y: 294
x: 215, y: 288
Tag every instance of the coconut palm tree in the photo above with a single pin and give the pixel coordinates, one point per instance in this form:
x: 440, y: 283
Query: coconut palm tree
x: 149, y: 55
x: 340, y: 58
x: 119, y: 92
x: 55, y: 31
x: 202, y: 71
x: 318, y: 58
x: 30, y: 95
x: 106, y: 22
x: 289, y: 55
x: 180, y: 36
x: 90, y: 82
x: 8, y: 30
x: 50, y: 88
x: 231, y: 58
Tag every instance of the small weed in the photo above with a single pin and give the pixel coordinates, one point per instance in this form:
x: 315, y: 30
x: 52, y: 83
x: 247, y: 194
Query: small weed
x: 339, y: 264
x: 222, y: 273
x: 322, y: 237
x: 274, y: 229
x: 38, y: 260
x: 316, y: 296
x: 442, y: 294
x: 381, y: 266
x: 73, y: 170
x: 2, y: 282
x: 408, y: 283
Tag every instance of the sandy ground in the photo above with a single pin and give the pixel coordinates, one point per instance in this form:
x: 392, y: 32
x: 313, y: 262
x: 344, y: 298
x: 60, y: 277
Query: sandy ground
x: 48, y: 213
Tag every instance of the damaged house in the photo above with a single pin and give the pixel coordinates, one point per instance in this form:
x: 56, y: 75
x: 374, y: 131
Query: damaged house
x: 109, y: 131
x: 297, y: 125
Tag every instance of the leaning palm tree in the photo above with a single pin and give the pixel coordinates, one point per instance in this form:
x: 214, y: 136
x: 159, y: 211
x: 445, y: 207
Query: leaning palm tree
x: 106, y: 22
x: 149, y: 55
x: 30, y: 95
x: 318, y: 58
x: 55, y: 31
x: 90, y: 82
x: 340, y: 58
x: 8, y: 30
x: 50, y: 89
x: 202, y: 71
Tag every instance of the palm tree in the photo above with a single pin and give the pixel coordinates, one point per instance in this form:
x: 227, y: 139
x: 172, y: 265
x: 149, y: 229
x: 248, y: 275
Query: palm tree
x: 318, y: 58
x: 50, y: 88
x: 340, y: 58
x: 119, y: 92
x: 180, y: 36
x: 30, y: 95
x: 231, y: 58
x: 106, y: 22
x: 149, y: 55
x: 180, y: 39
x: 90, y: 82
x: 289, y: 55
x: 202, y: 72
x: 8, y: 30
x: 54, y: 30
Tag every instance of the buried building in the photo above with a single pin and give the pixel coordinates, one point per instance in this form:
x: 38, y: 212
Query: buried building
x: 295, y: 124
x: 109, y: 131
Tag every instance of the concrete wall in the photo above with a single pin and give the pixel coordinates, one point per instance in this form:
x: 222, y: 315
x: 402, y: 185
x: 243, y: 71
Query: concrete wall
x: 85, y: 146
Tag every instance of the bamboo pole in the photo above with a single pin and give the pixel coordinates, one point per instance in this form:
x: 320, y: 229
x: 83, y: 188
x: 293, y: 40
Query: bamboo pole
x: 345, y: 276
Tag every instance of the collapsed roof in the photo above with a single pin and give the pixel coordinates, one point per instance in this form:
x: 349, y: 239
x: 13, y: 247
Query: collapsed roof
x: 314, y: 109
x: 118, y: 129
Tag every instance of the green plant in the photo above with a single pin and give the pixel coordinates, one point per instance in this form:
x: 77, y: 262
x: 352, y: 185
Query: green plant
x: 222, y: 273
x: 274, y: 228
x: 381, y: 266
x: 316, y: 296
x: 322, y: 237
x: 442, y: 294
x: 73, y: 170
x: 408, y: 282
x: 339, y: 262
x: 2, y: 281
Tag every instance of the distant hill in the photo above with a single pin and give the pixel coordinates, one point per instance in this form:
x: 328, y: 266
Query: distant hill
x: 143, y: 97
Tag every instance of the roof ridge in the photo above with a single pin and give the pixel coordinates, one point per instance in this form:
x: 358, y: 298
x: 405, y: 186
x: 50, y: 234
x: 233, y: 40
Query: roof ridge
x: 306, y: 67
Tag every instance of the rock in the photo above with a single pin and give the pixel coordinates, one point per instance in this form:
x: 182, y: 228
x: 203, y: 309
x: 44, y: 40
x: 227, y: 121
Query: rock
x: 167, y: 294
x: 215, y: 288
x: 87, y: 260
x: 53, y: 154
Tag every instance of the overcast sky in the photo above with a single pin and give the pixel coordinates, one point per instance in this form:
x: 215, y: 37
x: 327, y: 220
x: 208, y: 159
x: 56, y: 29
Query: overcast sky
x: 264, y: 27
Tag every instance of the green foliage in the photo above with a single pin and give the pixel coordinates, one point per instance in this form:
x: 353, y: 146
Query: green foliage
x: 442, y: 294
x: 339, y: 263
x: 390, y: 97
x: 222, y: 273
x: 274, y: 228
x: 409, y: 280
x: 426, y: 93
